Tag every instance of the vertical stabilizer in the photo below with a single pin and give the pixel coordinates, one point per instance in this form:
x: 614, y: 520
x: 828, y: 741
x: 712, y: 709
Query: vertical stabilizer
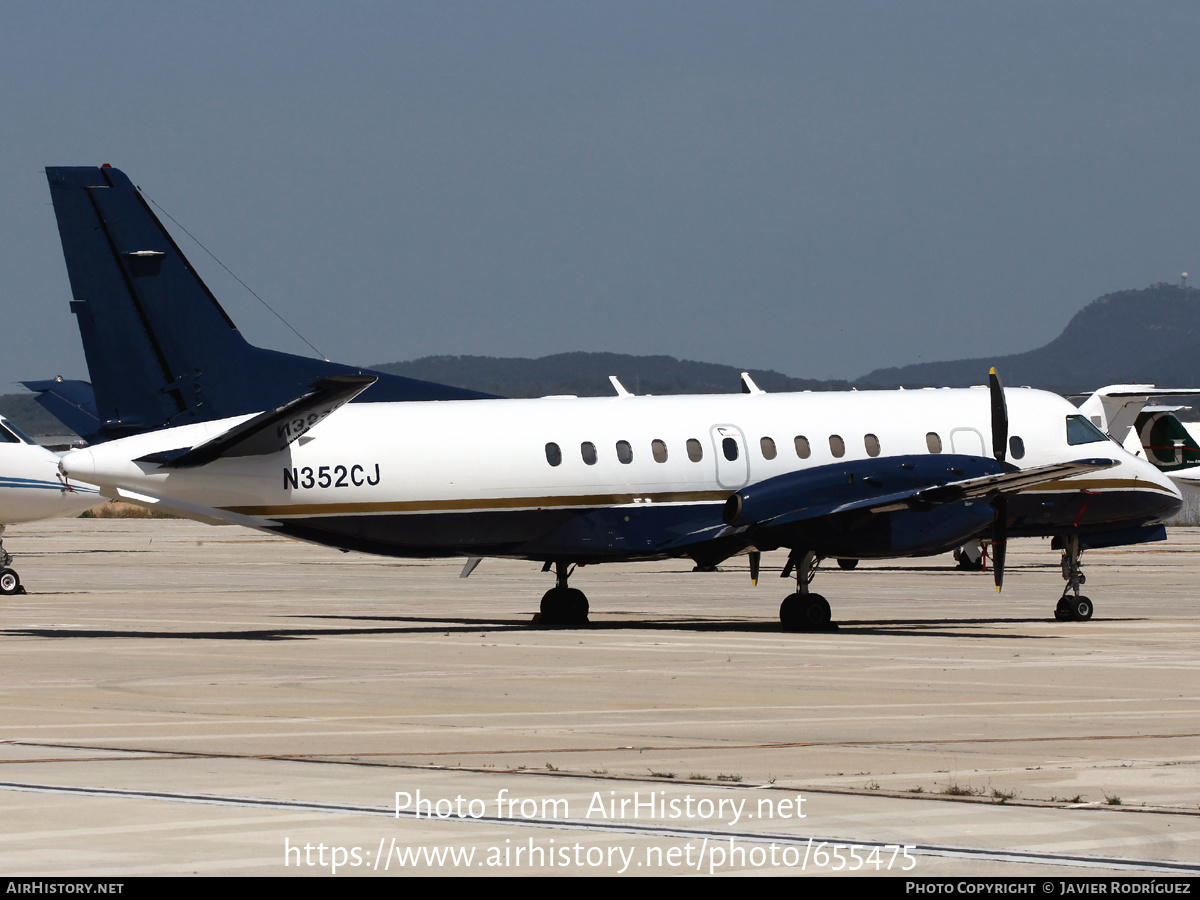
x: 160, y: 349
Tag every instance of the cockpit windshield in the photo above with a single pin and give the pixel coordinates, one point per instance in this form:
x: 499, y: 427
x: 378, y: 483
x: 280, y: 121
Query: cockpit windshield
x: 11, y: 434
x: 1081, y: 431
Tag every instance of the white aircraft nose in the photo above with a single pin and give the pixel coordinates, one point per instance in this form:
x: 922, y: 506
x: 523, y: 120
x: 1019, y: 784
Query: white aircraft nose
x: 78, y: 464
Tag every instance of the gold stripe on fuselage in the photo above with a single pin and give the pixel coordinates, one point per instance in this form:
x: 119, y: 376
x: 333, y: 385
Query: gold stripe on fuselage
x: 476, y: 504
x: 602, y: 500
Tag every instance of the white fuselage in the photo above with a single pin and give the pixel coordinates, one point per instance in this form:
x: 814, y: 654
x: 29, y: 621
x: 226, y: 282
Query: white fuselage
x: 463, y: 458
x: 31, y: 486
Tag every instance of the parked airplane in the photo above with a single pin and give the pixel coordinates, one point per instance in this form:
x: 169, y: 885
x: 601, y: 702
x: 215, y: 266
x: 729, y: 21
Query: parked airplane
x: 1152, y: 432
x: 32, y: 488
x: 1115, y: 409
x: 561, y: 480
x: 1169, y: 445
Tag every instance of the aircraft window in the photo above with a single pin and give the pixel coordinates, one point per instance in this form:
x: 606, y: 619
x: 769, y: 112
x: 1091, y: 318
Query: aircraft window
x: 624, y: 452
x: 7, y: 437
x: 802, y: 449
x: 1081, y: 431
x: 768, y: 447
x: 659, y: 449
x: 730, y: 448
x: 695, y: 451
x: 588, y: 451
x: 1016, y: 447
x: 21, y: 436
x: 553, y: 454
x: 837, y: 446
x: 934, y: 442
x: 872, y: 444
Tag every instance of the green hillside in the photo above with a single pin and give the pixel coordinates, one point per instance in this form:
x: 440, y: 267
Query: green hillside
x: 586, y: 375
x: 1148, y: 336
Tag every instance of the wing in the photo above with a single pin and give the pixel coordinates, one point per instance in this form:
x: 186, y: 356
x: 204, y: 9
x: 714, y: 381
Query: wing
x: 887, y: 485
x: 992, y: 485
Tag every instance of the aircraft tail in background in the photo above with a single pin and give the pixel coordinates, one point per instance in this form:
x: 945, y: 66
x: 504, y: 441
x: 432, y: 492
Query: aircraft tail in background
x: 71, y: 402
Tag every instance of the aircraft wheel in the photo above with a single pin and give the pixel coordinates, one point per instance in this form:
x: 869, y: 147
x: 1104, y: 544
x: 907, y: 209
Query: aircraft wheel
x: 1062, y: 612
x: 10, y: 582
x: 847, y: 563
x: 564, y: 606
x: 804, y: 612
x: 1081, y: 609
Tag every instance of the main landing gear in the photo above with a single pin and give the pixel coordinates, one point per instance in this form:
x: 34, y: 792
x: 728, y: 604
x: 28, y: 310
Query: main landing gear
x: 1072, y: 607
x: 804, y: 611
x: 969, y: 557
x: 562, y: 605
x: 10, y: 581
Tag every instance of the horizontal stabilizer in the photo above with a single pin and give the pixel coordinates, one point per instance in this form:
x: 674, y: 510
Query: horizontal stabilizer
x: 273, y: 430
x: 1189, y: 476
x: 71, y: 402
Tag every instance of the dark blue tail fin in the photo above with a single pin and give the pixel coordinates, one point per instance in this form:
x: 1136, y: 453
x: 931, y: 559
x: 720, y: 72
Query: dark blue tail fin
x: 160, y: 349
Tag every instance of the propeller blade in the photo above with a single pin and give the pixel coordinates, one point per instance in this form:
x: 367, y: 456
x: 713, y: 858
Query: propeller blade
x: 999, y: 417
x: 755, y: 559
x: 999, y: 540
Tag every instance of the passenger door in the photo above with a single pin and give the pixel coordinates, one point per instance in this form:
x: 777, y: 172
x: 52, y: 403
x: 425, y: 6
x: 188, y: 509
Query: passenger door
x: 729, y: 450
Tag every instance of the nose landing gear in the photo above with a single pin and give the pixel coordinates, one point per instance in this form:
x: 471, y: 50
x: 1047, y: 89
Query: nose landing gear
x: 10, y: 581
x: 1072, y: 606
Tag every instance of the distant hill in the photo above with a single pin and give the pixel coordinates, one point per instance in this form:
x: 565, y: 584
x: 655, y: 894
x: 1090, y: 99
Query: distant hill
x: 586, y: 375
x: 1148, y: 336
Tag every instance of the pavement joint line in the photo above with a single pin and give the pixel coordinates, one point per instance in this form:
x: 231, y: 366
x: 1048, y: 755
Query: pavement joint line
x: 356, y: 759
x: 665, y: 748
x: 981, y: 853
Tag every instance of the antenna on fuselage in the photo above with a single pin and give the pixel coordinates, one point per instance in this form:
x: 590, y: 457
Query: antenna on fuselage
x: 748, y: 385
x: 616, y: 383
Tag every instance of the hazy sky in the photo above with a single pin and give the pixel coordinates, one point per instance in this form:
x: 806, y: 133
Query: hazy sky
x: 818, y: 188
